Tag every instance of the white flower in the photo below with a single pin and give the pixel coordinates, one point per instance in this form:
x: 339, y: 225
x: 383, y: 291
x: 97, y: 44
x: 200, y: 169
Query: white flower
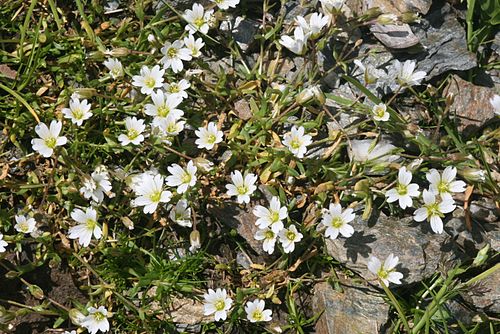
x: 225, y: 4
x: 177, y: 89
x: 194, y: 241
x: 370, y: 73
x: 288, y: 238
x: 495, y: 103
x: 434, y: 210
x: 269, y: 238
x: 115, y: 67
x: 194, y: 45
x: 271, y: 217
x: 336, y: 221
x: 24, y: 224
x: 3, y: 244
x: 242, y: 187
x: 445, y: 184
x: 386, y: 271
x: 297, y: 44
x: 173, y: 55
x: 149, y: 79
x: 217, y: 303
x: 331, y: 6
x: 297, y: 141
x: 198, y: 19
x: 182, y: 178
x: 170, y: 126
x: 181, y: 213
x: 404, y: 191
x: 163, y: 106
x: 380, y: 113
x: 364, y: 150
x: 405, y: 73
x: 312, y: 28
x: 208, y: 137
x: 96, y: 320
x: 87, y: 225
x: 256, y: 312
x: 150, y: 192
x: 134, y: 127
x: 78, y: 111
x: 72, y: 332
x: 96, y: 185
x: 49, y: 138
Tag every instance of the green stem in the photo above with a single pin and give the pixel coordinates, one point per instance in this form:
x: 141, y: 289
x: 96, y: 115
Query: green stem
x: 397, y: 306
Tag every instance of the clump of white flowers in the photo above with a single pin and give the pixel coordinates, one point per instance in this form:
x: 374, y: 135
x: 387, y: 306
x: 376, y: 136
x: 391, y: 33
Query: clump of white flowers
x: 404, y: 190
x: 242, y: 187
x: 96, y: 320
x: 385, y: 271
x: 135, y: 127
x: 336, y: 221
x: 163, y: 106
x: 208, y: 137
x: 78, y: 111
x: 25, y: 224
x: 297, y: 141
x: 95, y: 186
x: 217, y: 303
x: 87, y: 226
x: 256, y: 311
x: 49, y: 138
x: 150, y: 192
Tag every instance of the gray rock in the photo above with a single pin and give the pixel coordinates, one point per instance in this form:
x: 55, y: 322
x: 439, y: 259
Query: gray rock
x: 420, y: 251
x: 471, y: 104
x: 395, y: 36
x: 244, y: 32
x: 485, y: 295
x: 391, y: 6
x: 356, y: 310
x: 444, y: 41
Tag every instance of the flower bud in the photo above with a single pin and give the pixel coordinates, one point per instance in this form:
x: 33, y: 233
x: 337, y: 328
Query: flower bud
x: 203, y: 164
x: 310, y: 94
x: 373, y: 12
x: 387, y: 19
x: 473, y: 174
x: 410, y: 18
x: 84, y: 93
x: 481, y: 256
x: 118, y: 52
x: 96, y: 55
x: 76, y: 316
x: 194, y: 240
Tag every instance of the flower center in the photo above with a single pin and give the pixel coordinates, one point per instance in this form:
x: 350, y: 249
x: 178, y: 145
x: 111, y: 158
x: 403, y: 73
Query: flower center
x: 257, y: 315
x: 173, y: 89
x: 402, y: 189
x: 269, y: 234
x: 172, y: 128
x: 150, y: 82
x: 24, y: 227
x: 295, y: 144
x: 116, y: 71
x: 220, y: 305
x: 155, y: 197
x: 337, y: 222
x: 163, y: 111
x: 379, y: 111
x: 211, y: 139
x: 290, y: 235
x: 78, y: 113
x: 172, y: 52
x: 443, y: 187
x: 90, y: 224
x: 433, y: 210
x: 186, y: 178
x: 382, y: 273
x: 242, y: 190
x: 98, y: 316
x: 199, y: 22
x: 275, y: 216
x: 51, y: 142
x: 132, y: 134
